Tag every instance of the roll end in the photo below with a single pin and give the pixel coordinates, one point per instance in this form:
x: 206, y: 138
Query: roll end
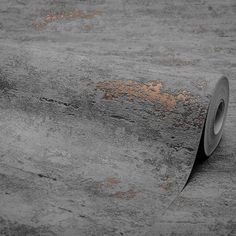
x: 216, y: 116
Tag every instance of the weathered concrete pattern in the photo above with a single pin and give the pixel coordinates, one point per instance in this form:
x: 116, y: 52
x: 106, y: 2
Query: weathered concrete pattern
x: 102, y: 109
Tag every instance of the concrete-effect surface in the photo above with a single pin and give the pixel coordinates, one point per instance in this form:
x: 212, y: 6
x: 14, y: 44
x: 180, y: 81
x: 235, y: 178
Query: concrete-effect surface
x: 169, y: 38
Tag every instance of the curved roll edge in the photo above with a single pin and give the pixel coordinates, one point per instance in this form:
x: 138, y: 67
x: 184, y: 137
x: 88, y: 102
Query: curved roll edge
x: 214, y: 123
x: 216, y: 116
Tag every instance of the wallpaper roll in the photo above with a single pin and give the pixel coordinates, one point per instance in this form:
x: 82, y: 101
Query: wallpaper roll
x: 96, y: 139
x: 120, y: 145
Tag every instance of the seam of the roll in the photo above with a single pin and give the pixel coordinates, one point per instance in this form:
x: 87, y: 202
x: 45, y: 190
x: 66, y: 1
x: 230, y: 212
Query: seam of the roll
x: 199, y: 149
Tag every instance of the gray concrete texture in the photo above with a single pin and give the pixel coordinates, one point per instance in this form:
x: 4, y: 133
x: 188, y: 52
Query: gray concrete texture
x: 102, y: 109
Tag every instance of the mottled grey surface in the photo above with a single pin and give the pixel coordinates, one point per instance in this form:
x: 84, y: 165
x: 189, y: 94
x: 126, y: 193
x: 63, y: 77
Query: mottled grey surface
x: 102, y: 107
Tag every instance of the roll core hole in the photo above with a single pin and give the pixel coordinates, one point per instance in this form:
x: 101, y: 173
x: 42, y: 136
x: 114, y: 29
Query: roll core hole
x: 219, y: 117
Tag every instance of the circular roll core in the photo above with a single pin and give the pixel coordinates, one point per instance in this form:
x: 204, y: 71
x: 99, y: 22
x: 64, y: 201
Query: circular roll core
x: 219, y: 117
x: 216, y: 116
